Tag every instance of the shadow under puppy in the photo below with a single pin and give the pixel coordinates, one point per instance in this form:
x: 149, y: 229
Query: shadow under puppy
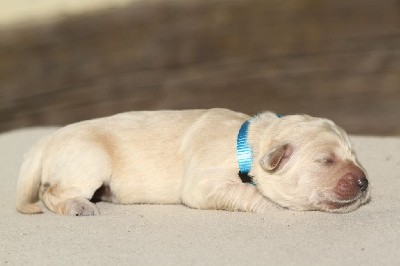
x: 193, y: 157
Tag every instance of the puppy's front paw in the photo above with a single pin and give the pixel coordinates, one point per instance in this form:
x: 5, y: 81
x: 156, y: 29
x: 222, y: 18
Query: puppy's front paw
x: 80, y: 207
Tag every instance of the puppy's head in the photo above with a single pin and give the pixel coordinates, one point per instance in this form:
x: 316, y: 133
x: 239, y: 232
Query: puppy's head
x: 307, y: 163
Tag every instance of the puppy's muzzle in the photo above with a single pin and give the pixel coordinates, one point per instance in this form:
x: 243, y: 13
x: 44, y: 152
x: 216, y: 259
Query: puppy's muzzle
x: 351, y: 184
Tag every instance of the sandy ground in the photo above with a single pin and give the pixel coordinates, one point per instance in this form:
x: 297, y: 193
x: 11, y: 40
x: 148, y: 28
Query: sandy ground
x: 176, y: 235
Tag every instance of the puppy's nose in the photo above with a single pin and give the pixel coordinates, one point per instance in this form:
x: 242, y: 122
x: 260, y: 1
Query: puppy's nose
x: 362, y: 183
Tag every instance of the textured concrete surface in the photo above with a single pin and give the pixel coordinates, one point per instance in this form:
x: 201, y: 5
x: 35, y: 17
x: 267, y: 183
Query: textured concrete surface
x: 176, y: 235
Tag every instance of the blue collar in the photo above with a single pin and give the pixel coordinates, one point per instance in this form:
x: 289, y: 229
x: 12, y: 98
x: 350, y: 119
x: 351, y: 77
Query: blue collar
x: 244, y: 153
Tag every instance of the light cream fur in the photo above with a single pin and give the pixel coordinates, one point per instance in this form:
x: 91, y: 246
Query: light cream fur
x: 189, y: 157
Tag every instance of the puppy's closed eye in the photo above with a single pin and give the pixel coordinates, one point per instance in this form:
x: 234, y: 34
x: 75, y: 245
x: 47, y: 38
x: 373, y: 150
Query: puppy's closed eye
x: 326, y: 160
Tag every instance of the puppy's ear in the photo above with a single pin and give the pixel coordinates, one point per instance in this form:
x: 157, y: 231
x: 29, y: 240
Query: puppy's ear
x: 276, y: 157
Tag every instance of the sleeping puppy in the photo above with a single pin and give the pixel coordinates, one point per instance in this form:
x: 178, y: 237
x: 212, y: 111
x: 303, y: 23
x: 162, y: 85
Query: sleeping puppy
x: 193, y: 158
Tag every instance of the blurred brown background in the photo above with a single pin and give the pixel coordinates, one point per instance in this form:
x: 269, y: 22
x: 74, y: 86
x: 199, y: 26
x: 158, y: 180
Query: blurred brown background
x: 336, y: 59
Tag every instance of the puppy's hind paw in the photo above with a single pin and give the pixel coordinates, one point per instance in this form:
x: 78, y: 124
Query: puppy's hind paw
x: 80, y: 207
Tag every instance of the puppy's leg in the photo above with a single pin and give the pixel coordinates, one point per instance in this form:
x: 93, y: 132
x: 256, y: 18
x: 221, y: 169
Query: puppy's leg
x: 214, y: 193
x: 69, y: 201
x: 237, y: 197
x: 71, y: 193
x: 72, y: 175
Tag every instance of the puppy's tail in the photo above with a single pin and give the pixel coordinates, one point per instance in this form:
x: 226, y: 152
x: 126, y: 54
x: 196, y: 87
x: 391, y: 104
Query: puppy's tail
x: 29, y: 179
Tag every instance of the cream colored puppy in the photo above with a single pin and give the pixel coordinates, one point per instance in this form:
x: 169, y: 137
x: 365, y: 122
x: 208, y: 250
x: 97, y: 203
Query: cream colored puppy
x: 190, y: 157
